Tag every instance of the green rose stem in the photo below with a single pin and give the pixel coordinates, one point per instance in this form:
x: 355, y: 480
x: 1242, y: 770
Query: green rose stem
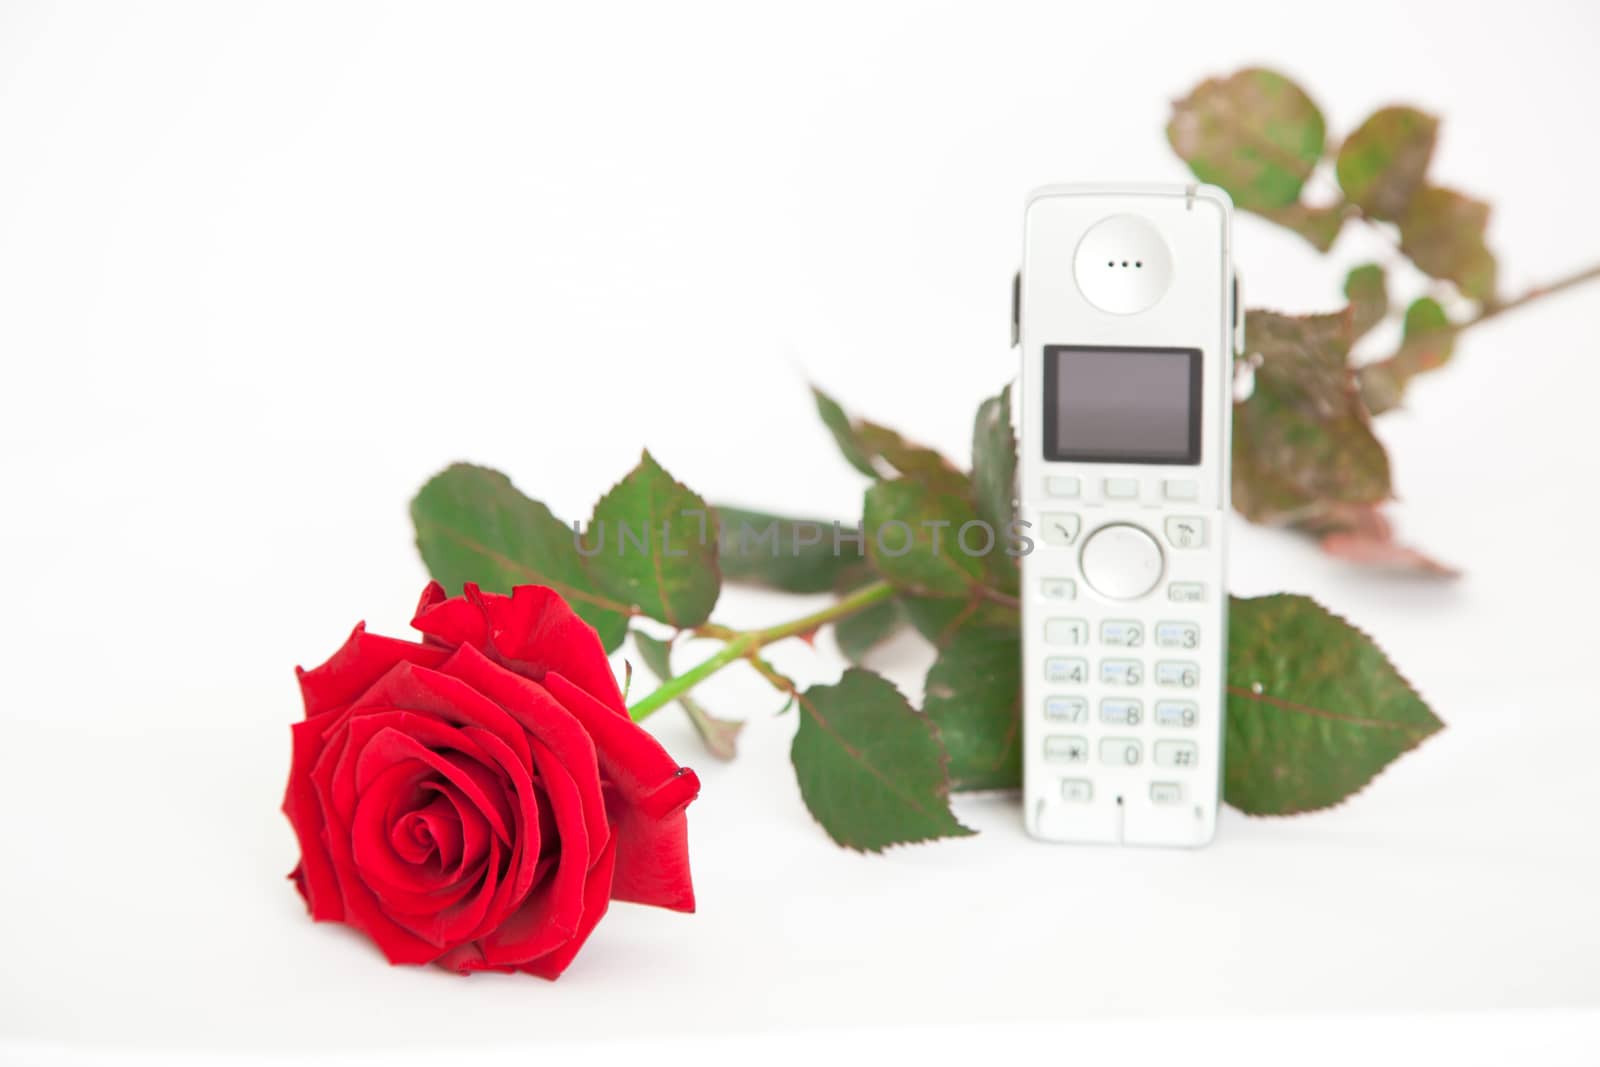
x: 744, y: 644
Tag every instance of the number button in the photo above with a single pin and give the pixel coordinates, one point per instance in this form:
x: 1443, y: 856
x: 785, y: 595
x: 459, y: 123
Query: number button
x: 1166, y: 793
x: 1176, y: 713
x: 1066, y: 669
x: 1065, y: 709
x: 1121, y: 672
x: 1186, y: 593
x: 1121, y: 488
x: 1066, y: 632
x: 1060, y: 749
x: 1061, y: 529
x: 1121, y: 752
x: 1076, y: 791
x: 1058, y: 589
x: 1122, y: 633
x: 1177, y: 634
x: 1175, y: 674
x: 1184, y: 531
x: 1121, y: 712
x: 1176, y: 754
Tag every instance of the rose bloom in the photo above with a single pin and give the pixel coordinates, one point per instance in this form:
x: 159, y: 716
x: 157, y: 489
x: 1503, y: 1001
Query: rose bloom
x: 478, y: 799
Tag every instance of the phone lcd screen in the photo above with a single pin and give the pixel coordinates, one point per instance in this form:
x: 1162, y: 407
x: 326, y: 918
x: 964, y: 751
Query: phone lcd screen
x: 1121, y: 405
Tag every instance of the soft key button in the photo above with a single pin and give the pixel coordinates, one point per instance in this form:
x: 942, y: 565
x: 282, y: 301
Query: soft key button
x: 1122, y: 488
x: 1062, y: 486
x: 1180, y: 489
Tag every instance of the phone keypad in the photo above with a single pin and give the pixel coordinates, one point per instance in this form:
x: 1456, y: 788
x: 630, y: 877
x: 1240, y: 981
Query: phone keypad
x: 1111, y: 656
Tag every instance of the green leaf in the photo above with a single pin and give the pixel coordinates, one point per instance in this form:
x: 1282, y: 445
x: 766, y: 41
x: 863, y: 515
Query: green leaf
x: 1255, y: 133
x: 653, y: 544
x: 721, y: 736
x: 1315, y: 709
x: 860, y: 633
x: 838, y: 423
x: 1367, y: 289
x: 1442, y: 231
x: 871, y: 770
x: 941, y: 619
x: 791, y: 555
x: 994, y: 480
x: 1383, y: 164
x: 913, y: 539
x: 1302, y: 442
x: 880, y: 452
x: 473, y: 525
x: 1427, y: 343
x: 1318, y: 225
x: 974, y: 694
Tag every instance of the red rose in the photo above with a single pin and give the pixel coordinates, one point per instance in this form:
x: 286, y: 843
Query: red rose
x: 477, y: 799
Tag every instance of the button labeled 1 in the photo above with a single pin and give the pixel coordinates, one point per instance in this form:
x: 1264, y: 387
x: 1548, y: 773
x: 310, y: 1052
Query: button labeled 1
x: 1066, y: 632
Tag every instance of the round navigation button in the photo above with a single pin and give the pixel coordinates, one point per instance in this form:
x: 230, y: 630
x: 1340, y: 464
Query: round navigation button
x: 1121, y: 562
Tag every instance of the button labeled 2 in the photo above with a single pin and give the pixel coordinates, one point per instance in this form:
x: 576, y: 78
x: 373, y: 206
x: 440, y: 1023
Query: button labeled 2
x: 1122, y: 633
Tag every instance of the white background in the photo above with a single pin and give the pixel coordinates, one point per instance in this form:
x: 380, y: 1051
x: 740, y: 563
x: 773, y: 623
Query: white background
x: 264, y: 269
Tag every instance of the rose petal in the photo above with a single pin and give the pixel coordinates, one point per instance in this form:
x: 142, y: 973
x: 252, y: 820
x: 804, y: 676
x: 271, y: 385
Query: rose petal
x: 360, y: 661
x: 629, y: 757
x: 315, y: 878
x: 552, y: 912
x: 651, y: 791
x: 444, y: 696
x: 653, y: 860
x: 538, y: 713
x: 596, y: 898
x: 533, y: 631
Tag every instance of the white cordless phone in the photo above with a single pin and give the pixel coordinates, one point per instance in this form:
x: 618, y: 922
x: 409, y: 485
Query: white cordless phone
x: 1127, y: 321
